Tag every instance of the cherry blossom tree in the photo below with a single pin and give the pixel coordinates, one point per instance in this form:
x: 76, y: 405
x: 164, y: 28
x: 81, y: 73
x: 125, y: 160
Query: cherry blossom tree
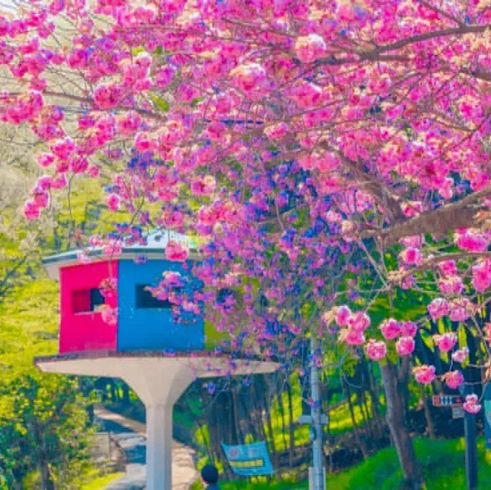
x: 327, y: 153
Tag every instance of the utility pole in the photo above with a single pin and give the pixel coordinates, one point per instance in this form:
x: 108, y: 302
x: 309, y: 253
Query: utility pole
x: 317, y: 480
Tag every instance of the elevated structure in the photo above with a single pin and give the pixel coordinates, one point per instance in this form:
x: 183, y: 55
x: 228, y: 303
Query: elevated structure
x: 158, y: 356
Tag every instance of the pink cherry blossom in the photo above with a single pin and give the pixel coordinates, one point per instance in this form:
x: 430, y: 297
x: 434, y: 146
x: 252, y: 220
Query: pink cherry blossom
x: 343, y: 314
x: 249, y: 76
x: 460, y: 355
x: 107, y: 96
x: 481, y: 275
x: 405, y: 346
x: 376, y: 350
x: 306, y: 94
x: 45, y: 159
x: 164, y: 76
x: 438, y: 307
x: 129, y: 123
x: 411, y: 256
x: 424, y: 374
x: 352, y: 337
x: 471, y: 404
x: 448, y: 268
x: 472, y: 240
x: 445, y: 342
x: 408, y: 328
x: 145, y: 142
x: 172, y: 279
x: 390, y: 329
x: 108, y: 289
x: 461, y: 309
x: 113, y: 202
x: 204, y: 186
x: 359, y: 321
x: 63, y: 148
x: 216, y: 130
x: 453, y: 379
x: 277, y: 131
x: 451, y: 285
x: 176, y: 252
x: 31, y: 210
x: 109, y: 315
x: 310, y: 48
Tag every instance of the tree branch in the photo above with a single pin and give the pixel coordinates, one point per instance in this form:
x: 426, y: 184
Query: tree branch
x: 460, y: 214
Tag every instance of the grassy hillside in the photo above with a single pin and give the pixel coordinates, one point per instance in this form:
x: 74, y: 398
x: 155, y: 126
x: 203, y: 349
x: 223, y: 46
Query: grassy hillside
x: 442, y: 460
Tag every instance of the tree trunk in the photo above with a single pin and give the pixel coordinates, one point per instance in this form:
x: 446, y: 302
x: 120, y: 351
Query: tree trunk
x: 291, y: 426
x: 269, y: 424
x: 281, y: 409
x: 427, y: 411
x: 46, y: 481
x: 375, y: 399
x: 395, y: 395
x: 359, y: 441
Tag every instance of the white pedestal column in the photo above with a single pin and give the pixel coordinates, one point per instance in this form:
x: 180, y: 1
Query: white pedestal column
x: 159, y: 447
x: 159, y: 390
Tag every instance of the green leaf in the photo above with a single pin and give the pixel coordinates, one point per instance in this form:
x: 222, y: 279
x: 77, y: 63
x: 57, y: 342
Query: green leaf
x: 160, y: 103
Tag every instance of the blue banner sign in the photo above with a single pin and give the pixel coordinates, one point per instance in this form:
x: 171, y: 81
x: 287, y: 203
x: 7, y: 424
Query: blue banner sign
x: 249, y: 459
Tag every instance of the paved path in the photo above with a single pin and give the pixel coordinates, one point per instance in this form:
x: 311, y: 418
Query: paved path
x: 131, y: 436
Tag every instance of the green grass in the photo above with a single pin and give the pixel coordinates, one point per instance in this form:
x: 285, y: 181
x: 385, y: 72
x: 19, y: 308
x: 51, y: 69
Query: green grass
x: 443, y: 466
x: 442, y: 461
x: 101, y: 482
x: 257, y: 485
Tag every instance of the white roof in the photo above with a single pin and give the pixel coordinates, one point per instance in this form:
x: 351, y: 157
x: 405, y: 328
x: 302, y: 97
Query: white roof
x: 156, y: 242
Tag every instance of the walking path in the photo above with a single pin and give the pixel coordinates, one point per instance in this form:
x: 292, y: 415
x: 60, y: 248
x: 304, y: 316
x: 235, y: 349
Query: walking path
x: 131, y: 436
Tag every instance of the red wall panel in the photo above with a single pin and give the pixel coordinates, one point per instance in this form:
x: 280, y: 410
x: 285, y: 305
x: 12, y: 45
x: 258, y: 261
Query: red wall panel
x: 85, y: 330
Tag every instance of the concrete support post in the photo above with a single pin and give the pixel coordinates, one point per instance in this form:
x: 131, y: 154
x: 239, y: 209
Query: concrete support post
x: 318, y: 482
x: 159, y: 447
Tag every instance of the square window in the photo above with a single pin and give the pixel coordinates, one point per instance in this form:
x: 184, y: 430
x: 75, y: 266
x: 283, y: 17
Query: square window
x: 86, y: 300
x: 145, y: 299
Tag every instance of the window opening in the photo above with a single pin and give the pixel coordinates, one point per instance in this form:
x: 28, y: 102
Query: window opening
x: 86, y: 300
x: 145, y: 299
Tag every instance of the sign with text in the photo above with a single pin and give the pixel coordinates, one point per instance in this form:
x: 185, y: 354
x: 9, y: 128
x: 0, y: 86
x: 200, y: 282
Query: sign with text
x: 458, y: 412
x: 249, y: 459
x: 447, y: 400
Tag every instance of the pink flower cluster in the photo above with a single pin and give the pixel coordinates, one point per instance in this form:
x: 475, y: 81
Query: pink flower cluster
x: 459, y: 310
x: 391, y: 329
x: 411, y: 256
x: 471, y: 404
x: 460, y: 355
x: 424, y: 374
x: 353, y: 325
x: 310, y: 48
x: 376, y: 349
x: 109, y: 314
x: 235, y: 110
x: 472, y: 240
x: 176, y: 252
x: 249, y: 77
x: 108, y: 290
x: 453, y: 379
x: 481, y: 275
x: 445, y: 342
x: 405, y: 346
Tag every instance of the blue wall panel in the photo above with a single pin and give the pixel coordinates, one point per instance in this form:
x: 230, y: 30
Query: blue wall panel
x: 152, y: 329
